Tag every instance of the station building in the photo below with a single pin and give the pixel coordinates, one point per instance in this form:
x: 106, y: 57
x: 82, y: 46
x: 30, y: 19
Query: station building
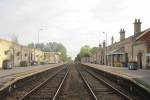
x: 17, y: 53
x: 135, y: 47
x: 52, y: 57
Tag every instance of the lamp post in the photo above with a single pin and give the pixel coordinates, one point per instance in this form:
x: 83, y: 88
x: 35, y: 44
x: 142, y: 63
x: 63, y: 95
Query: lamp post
x: 38, y: 44
x: 38, y: 37
x: 106, y: 47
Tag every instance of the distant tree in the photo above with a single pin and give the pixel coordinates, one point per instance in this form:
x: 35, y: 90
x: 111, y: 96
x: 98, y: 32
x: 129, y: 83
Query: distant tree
x: 14, y: 38
x: 31, y: 45
x: 52, y: 47
x: 85, y: 51
x: 69, y: 59
x: 78, y: 59
x: 47, y: 47
x: 36, y: 46
x: 94, y: 49
x: 42, y: 46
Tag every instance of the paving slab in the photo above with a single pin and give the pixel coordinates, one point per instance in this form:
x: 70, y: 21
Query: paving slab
x: 141, y: 76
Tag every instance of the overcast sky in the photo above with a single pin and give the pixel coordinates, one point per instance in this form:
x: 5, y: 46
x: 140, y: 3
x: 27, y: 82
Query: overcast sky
x: 74, y: 23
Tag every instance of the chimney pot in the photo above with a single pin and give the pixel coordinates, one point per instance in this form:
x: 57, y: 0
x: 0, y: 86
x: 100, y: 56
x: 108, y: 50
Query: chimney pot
x: 104, y: 44
x: 138, y: 20
x: 100, y: 46
x: 112, y: 40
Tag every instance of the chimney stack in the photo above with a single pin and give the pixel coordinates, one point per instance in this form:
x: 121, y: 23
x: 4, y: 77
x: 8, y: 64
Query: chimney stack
x: 112, y: 40
x: 122, y: 34
x: 137, y: 26
x: 104, y: 44
x: 100, y: 46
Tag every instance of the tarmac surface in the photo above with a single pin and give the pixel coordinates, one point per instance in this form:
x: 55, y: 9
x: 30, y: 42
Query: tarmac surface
x: 142, y: 76
x: 5, y: 74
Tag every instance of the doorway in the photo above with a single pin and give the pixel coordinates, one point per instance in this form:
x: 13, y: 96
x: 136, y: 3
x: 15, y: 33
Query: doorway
x: 140, y: 60
x: 106, y: 59
x: 126, y: 58
x: 28, y: 58
x: 112, y: 60
x: 12, y: 55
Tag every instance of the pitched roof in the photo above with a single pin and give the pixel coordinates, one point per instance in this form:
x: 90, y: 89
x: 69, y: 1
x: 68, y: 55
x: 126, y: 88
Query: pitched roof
x: 138, y: 35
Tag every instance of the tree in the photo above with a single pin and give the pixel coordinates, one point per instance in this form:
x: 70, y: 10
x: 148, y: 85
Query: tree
x: 85, y: 51
x: 69, y: 59
x: 94, y: 49
x: 42, y: 46
x: 31, y: 45
x: 14, y: 39
x: 78, y: 59
x: 52, y: 47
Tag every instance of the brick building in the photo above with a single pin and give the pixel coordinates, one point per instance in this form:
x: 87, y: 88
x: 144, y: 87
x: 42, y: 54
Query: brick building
x: 135, y: 47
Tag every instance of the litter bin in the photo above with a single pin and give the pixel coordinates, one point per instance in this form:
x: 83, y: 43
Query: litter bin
x: 7, y: 65
x: 133, y: 66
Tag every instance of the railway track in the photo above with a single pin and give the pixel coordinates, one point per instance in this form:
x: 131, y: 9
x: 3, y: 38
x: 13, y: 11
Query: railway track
x: 100, y: 89
x: 74, y: 82
x: 49, y: 89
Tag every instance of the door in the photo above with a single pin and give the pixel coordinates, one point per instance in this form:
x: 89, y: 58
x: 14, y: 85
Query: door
x: 28, y: 57
x: 12, y: 55
x: 140, y: 60
x: 112, y: 60
x: 106, y: 59
x: 127, y: 59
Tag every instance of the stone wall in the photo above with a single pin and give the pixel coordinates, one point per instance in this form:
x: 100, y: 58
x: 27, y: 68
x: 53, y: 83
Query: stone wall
x: 132, y: 48
x: 15, y: 48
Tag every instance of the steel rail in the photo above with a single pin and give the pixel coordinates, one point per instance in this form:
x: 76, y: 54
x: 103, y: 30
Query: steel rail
x: 94, y: 96
x: 39, y: 86
x: 117, y: 91
x: 60, y: 87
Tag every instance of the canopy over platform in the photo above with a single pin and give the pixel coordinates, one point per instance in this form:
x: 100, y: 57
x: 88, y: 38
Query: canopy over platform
x: 56, y: 53
x: 117, y: 51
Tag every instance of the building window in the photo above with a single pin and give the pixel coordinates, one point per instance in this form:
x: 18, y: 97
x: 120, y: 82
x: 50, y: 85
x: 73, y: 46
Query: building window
x: 109, y: 58
x: 136, y: 57
x: 32, y: 56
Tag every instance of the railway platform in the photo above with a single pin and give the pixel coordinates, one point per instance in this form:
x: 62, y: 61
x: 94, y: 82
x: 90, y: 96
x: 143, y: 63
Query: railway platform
x: 139, y: 76
x: 7, y: 76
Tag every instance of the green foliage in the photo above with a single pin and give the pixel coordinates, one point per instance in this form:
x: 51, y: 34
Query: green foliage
x: 78, y: 59
x: 51, y: 47
x: 85, y: 51
x: 31, y: 45
x: 14, y: 39
x: 94, y: 49
x: 69, y: 59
